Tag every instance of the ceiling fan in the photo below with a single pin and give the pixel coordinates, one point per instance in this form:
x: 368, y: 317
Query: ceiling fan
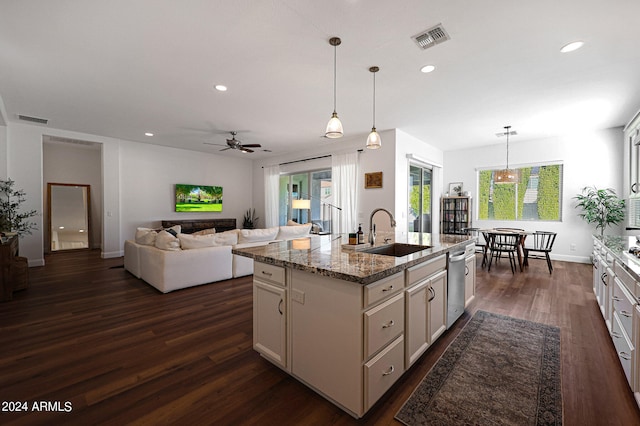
x: 234, y: 143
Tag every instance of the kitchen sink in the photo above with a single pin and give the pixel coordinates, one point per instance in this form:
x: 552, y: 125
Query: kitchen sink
x: 395, y: 249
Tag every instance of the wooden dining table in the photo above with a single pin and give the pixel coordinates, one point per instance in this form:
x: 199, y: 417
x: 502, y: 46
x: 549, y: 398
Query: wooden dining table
x: 490, y: 233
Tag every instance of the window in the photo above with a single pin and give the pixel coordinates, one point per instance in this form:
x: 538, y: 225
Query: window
x: 314, y: 186
x: 536, y: 196
x: 419, y: 199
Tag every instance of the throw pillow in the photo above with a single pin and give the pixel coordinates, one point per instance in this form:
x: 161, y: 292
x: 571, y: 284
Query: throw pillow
x: 166, y: 241
x: 146, y: 236
x: 205, y: 232
x: 190, y: 241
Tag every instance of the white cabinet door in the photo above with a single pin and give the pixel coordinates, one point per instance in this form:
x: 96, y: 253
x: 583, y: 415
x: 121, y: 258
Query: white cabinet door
x: 437, y: 305
x: 469, y: 279
x: 270, y: 322
x: 417, y: 323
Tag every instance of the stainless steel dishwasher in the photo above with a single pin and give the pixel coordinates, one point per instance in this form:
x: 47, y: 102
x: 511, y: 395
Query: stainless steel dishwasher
x: 455, y: 286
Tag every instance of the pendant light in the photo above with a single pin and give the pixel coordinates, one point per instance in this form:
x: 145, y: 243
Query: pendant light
x: 334, y: 127
x: 374, y: 141
x: 506, y: 175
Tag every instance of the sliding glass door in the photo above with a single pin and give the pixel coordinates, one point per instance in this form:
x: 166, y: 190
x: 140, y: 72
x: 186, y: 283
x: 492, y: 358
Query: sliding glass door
x: 313, y: 186
x: 419, y: 199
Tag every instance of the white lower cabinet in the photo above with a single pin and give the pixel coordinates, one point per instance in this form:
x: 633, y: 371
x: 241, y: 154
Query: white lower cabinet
x: 469, y: 279
x: 426, y: 308
x: 348, y: 342
x: 270, y: 321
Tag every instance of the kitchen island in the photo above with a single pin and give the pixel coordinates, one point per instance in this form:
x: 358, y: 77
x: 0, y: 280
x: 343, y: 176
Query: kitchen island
x: 348, y: 323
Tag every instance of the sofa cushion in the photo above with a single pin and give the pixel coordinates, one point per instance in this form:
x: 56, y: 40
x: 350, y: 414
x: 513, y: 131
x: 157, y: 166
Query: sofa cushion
x: 293, y: 231
x: 227, y: 238
x: 257, y: 235
x: 192, y: 241
x: 166, y: 241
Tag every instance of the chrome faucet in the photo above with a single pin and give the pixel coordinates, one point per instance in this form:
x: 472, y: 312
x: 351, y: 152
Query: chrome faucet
x: 372, y: 228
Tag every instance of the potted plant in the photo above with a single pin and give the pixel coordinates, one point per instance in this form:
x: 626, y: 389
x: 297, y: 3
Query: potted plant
x: 250, y: 219
x: 11, y: 219
x: 600, y: 206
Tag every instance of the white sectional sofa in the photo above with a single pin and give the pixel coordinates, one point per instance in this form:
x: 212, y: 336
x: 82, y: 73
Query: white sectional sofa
x: 170, y: 262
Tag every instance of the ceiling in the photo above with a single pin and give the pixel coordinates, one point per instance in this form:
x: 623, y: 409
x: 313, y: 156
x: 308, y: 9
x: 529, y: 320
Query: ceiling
x: 122, y: 68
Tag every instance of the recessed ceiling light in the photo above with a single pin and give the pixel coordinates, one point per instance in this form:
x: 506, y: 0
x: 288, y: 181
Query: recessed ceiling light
x: 575, y: 45
x: 80, y: 230
x: 148, y: 134
x: 221, y: 88
x: 60, y: 227
x: 427, y: 68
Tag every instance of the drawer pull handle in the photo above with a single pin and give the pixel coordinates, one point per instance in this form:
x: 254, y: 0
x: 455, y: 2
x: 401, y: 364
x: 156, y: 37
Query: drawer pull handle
x: 280, y: 307
x: 616, y: 334
x: 389, y: 324
x: 266, y: 273
x: 388, y: 288
x: 616, y: 299
x: 603, y: 277
x: 466, y: 270
x: 625, y: 314
x: 389, y: 371
x: 624, y: 355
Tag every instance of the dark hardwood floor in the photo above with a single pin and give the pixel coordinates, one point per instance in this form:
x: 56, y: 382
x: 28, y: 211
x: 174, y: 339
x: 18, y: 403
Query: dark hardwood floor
x: 89, y: 335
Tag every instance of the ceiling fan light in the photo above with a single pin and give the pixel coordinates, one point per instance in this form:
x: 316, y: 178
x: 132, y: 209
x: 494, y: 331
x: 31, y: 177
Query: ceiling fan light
x: 334, y: 127
x: 374, y: 141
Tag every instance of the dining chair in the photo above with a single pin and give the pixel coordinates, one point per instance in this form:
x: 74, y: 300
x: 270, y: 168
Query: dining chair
x: 542, y: 243
x: 481, y: 242
x: 504, y: 243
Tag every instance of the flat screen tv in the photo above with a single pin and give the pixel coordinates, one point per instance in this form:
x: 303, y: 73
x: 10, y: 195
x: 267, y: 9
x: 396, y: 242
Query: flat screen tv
x: 198, y: 198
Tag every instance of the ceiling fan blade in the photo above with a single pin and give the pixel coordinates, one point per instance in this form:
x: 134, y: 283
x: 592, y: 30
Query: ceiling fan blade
x: 224, y: 149
x: 246, y: 150
x: 251, y: 145
x: 214, y: 144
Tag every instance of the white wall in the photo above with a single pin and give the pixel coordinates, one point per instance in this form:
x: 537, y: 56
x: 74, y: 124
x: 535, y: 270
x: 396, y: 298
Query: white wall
x: 148, y: 175
x: 3, y: 152
x: 589, y: 159
x: 137, y: 183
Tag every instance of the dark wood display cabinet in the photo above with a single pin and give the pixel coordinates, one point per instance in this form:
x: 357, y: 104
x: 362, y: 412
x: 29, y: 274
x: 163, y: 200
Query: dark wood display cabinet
x: 13, y: 269
x: 455, y: 215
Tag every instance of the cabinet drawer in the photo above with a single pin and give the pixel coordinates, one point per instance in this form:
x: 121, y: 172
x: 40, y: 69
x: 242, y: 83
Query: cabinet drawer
x: 623, y: 306
x: 628, y: 280
x: 383, y: 323
x: 382, y: 371
x: 382, y: 289
x: 423, y: 270
x: 271, y: 273
x: 624, y: 348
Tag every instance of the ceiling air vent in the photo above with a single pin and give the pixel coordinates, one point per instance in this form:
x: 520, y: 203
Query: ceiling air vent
x: 431, y: 37
x: 33, y: 119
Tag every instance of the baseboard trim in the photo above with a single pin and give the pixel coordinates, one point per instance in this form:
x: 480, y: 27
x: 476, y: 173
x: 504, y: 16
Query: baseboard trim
x: 110, y: 254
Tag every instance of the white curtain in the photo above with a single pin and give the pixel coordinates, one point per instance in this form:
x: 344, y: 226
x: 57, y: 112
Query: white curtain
x: 271, y: 195
x: 344, y: 178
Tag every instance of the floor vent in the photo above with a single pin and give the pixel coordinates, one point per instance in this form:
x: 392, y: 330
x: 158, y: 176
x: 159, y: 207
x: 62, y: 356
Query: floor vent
x: 431, y: 37
x: 33, y: 119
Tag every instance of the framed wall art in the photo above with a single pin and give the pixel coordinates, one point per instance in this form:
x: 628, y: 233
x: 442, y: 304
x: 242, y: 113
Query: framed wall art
x: 373, y: 180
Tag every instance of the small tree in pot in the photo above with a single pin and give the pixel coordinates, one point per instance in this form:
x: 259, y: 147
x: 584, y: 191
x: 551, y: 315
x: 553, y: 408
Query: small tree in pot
x: 11, y: 219
x: 600, y: 206
x: 250, y: 219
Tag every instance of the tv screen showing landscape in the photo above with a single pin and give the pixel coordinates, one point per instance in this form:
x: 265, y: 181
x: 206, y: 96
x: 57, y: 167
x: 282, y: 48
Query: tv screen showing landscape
x: 198, y: 198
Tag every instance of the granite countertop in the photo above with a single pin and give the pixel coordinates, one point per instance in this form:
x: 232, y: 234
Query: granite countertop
x: 619, y: 247
x: 325, y: 255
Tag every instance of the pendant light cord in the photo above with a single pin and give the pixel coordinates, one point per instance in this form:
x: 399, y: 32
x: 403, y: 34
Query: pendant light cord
x: 335, y: 56
x: 507, y: 128
x: 374, y: 100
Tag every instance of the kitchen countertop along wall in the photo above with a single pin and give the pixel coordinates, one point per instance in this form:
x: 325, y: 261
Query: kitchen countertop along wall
x: 325, y: 255
x: 619, y: 246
